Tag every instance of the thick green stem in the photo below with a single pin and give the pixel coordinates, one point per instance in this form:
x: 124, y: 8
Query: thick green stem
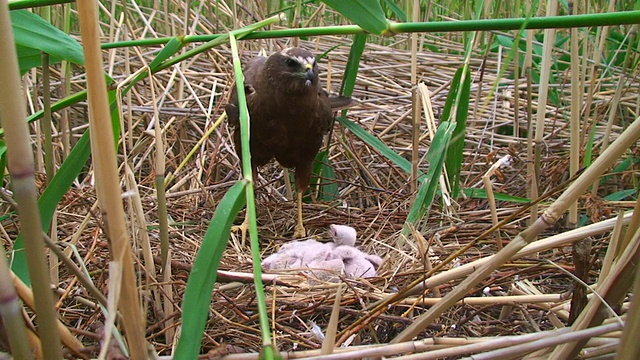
x: 21, y: 167
x: 265, y: 330
x: 557, y: 22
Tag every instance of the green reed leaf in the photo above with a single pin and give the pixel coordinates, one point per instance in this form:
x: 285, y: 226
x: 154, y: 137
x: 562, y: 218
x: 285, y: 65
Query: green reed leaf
x: 429, y: 184
x: 33, y: 35
x: 458, y: 101
x: 375, y: 143
x: 353, y: 64
x: 197, y: 296
x: 367, y: 14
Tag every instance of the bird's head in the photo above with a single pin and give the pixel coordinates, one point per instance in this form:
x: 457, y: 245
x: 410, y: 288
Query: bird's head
x: 294, y: 68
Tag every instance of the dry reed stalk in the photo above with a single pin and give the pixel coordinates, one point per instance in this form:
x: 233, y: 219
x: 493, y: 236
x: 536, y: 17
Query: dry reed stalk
x: 328, y: 344
x: 515, y: 352
x: 547, y: 61
x: 576, y: 106
x: 107, y: 184
x: 490, y: 300
x: 11, y: 314
x: 614, y: 249
x: 629, y: 346
x: 165, y: 251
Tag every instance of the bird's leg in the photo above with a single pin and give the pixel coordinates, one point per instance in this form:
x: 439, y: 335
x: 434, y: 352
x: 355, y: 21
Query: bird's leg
x: 299, y: 231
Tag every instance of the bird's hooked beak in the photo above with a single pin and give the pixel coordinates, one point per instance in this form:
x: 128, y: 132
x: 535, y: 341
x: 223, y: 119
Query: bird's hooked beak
x: 309, y: 76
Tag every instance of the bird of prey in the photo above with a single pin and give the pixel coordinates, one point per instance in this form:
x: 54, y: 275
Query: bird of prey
x: 289, y: 115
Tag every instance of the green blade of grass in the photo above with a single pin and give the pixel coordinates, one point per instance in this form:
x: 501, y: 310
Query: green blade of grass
x: 396, y: 10
x: 323, y: 178
x: 353, y: 64
x: 197, y: 296
x: 621, y: 195
x: 375, y: 143
x: 33, y: 34
x: 367, y: 14
x: 429, y: 184
x: 482, y: 194
x: 458, y: 100
x: 173, y: 46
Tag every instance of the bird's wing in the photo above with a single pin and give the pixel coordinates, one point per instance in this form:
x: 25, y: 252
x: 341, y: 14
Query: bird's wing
x: 341, y: 102
x: 328, y: 105
x: 324, y: 115
x: 252, y: 72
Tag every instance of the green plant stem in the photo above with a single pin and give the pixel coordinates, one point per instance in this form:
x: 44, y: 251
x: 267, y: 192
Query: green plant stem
x: 265, y: 330
x: 21, y: 167
x: 28, y: 4
x: 558, y: 22
x: 46, y: 119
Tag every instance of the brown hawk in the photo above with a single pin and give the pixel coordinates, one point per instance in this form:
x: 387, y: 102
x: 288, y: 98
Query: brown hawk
x: 289, y: 115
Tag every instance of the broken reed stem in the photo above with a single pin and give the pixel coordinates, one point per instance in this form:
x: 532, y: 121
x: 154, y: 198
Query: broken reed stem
x: 486, y: 180
x: 107, y: 182
x: 329, y: 342
x: 21, y: 167
x: 612, y: 289
x: 612, y: 249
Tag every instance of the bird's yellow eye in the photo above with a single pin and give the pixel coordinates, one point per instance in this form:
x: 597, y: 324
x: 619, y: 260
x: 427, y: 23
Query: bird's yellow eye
x: 308, y: 66
x: 291, y: 62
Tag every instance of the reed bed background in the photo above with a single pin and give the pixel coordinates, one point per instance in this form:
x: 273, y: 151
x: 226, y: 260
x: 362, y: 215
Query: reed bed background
x: 524, y: 309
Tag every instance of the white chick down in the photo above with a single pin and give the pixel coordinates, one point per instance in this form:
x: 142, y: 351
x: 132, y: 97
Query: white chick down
x: 324, y: 258
x: 343, y: 234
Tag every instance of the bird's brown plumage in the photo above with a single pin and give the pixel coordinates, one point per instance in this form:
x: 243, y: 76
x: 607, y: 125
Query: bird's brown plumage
x: 289, y: 114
